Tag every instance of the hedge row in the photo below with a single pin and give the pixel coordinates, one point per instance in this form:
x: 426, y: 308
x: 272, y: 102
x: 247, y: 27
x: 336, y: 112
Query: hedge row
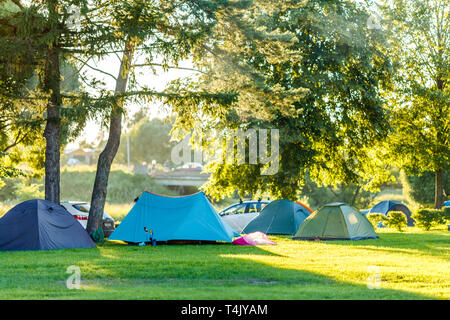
x: 425, y: 218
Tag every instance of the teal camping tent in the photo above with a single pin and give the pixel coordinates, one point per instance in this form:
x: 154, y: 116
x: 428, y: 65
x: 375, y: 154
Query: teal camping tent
x: 278, y: 217
x: 173, y: 218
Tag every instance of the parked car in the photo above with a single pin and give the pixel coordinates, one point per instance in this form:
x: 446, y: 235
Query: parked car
x: 80, y: 210
x: 240, y: 214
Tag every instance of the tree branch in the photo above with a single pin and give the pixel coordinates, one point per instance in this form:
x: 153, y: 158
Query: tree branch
x: 16, y: 142
x: 96, y: 69
x: 17, y: 3
x: 168, y: 67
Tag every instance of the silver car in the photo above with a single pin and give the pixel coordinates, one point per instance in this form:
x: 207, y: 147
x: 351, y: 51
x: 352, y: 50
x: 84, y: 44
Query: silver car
x: 240, y: 214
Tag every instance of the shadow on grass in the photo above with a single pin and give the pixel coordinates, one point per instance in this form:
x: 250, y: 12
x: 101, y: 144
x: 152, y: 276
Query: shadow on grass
x: 207, y: 271
x: 214, y: 272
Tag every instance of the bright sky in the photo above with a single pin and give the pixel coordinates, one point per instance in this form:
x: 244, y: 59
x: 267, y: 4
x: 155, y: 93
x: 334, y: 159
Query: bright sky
x: 144, y: 76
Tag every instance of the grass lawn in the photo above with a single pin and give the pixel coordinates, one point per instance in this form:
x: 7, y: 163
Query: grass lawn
x: 412, y: 265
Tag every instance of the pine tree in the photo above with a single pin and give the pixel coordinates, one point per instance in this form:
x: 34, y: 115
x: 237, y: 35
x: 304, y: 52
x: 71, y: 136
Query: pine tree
x: 79, y: 31
x: 20, y: 121
x: 166, y: 29
x: 39, y: 42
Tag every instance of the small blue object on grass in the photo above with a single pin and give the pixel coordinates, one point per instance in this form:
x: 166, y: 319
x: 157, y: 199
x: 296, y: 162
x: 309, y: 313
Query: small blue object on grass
x: 151, y: 240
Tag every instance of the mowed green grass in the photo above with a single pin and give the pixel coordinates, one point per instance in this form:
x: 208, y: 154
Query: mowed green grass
x: 411, y: 265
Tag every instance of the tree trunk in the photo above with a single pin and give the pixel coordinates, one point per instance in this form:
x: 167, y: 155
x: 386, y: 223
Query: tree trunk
x: 106, y: 158
x: 439, y: 173
x: 52, y: 129
x: 438, y: 189
x: 355, y: 195
x: 441, y: 136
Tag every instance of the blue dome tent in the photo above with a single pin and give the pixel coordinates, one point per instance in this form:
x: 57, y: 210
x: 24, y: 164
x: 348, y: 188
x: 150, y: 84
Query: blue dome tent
x: 391, y: 205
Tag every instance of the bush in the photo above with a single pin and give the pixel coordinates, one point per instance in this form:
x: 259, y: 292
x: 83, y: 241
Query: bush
x: 123, y: 187
x: 446, y: 214
x: 397, y: 220
x: 428, y: 218
x: 420, y: 188
x: 20, y: 189
x: 376, y: 218
x: 30, y: 191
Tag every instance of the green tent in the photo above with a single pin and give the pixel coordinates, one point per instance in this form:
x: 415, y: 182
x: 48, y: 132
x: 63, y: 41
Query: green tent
x: 336, y: 221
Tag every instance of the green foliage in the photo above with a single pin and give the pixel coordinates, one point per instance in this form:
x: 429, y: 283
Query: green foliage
x: 446, y: 214
x: 397, y: 220
x: 21, y: 121
x: 26, y: 191
x: 21, y: 103
x: 428, y: 218
x: 149, y: 140
x: 37, y: 39
x: 419, y: 36
x: 7, y: 190
x: 6, y: 169
x: 319, y: 85
x: 123, y: 187
x: 20, y: 189
x: 420, y: 188
x: 5, y: 207
x: 7, y: 7
x: 376, y: 218
x: 318, y: 196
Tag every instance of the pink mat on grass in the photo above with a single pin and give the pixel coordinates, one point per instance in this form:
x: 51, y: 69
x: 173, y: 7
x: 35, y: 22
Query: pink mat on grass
x: 253, y: 239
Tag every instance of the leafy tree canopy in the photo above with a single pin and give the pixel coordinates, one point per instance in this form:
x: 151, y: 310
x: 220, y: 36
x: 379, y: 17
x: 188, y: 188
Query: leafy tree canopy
x: 311, y: 69
x: 419, y: 44
x: 148, y: 140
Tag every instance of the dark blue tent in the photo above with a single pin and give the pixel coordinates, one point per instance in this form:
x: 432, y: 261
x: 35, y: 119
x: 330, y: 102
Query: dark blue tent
x: 41, y: 225
x: 391, y: 205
